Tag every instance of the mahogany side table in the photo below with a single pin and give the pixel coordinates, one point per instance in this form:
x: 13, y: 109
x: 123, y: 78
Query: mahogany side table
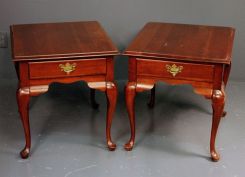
x: 180, y: 54
x: 62, y: 52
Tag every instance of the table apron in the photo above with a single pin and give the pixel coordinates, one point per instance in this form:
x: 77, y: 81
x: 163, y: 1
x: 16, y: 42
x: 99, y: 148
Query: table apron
x: 175, y: 70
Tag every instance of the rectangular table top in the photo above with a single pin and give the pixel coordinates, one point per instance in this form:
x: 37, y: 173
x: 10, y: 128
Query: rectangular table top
x: 60, y: 40
x: 183, y: 42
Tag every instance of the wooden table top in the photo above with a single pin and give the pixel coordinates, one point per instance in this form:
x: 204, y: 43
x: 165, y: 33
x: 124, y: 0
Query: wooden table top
x: 183, y: 42
x: 60, y: 40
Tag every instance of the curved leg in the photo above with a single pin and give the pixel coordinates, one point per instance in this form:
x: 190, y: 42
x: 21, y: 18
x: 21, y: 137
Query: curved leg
x: 23, y: 97
x: 94, y: 104
x: 151, y: 103
x: 111, y: 93
x: 130, y: 91
x: 218, y: 100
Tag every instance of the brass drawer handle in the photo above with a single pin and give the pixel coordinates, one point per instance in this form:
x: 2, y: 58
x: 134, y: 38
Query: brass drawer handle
x: 68, y: 68
x: 174, y: 69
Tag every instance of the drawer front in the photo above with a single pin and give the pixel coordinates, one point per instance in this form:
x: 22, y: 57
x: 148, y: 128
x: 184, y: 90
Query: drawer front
x: 67, y: 68
x: 175, y: 70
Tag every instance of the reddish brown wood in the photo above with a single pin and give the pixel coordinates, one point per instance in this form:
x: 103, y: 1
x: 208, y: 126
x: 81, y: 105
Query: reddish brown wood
x: 130, y: 92
x: 202, y: 88
x: 132, y: 70
x: 218, y: 101
x: 41, y: 50
x: 94, y: 78
x: 60, y: 40
x: 111, y: 92
x: 203, y: 54
x: 23, y: 98
x: 109, y: 69
x: 155, y: 68
x: 183, y: 42
x: 52, y: 69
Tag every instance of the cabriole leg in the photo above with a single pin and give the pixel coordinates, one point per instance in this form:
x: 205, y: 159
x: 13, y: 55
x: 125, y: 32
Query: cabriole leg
x: 218, y: 101
x: 23, y: 98
x: 111, y: 93
x: 130, y: 91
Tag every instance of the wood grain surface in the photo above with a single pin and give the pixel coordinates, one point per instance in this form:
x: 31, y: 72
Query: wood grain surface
x: 60, y: 40
x: 183, y: 41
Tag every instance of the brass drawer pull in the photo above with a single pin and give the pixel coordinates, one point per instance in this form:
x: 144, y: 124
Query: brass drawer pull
x: 174, y: 69
x: 68, y: 68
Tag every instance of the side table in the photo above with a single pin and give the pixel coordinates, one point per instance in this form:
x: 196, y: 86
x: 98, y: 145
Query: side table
x: 62, y: 52
x: 180, y: 54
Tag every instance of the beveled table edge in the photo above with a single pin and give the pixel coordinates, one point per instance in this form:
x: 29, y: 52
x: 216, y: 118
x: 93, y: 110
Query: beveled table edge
x: 157, y: 56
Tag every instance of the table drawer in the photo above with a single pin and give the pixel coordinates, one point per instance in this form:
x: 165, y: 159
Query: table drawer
x: 67, y: 68
x: 175, y: 70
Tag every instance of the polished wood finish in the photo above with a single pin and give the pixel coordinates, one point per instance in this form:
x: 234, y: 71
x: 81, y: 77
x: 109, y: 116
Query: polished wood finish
x: 52, y: 69
x: 49, y: 40
x: 180, y: 54
x: 195, y: 43
x: 148, y: 67
x: 130, y: 92
x: 65, y: 53
x: 23, y: 99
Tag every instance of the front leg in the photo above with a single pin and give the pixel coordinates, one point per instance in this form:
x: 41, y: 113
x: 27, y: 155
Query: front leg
x: 111, y: 93
x: 218, y: 101
x: 130, y: 91
x: 23, y: 97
